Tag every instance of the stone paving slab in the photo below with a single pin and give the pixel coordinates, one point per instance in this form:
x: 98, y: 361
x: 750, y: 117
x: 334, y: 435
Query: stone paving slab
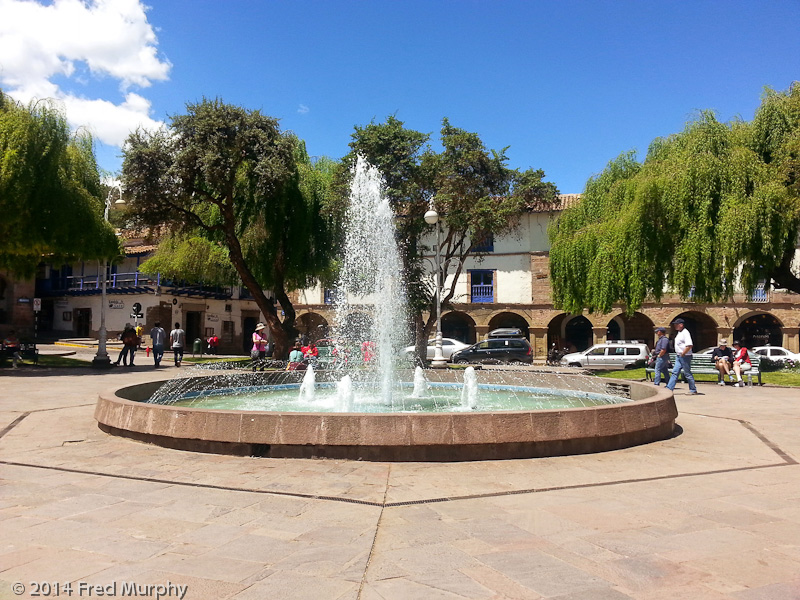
x: 711, y: 513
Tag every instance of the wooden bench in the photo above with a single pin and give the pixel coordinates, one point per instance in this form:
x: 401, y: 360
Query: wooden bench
x: 703, y: 364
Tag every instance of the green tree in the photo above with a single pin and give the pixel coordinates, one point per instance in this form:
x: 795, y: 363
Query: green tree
x: 238, y: 195
x: 50, y: 192
x: 473, y: 189
x: 711, y: 206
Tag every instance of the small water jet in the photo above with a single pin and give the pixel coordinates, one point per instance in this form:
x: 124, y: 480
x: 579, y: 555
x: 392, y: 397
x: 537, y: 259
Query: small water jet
x: 420, y: 384
x: 344, y: 394
x: 308, y: 387
x: 469, y: 393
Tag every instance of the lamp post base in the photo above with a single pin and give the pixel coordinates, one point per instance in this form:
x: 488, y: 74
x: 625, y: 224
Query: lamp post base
x: 101, y: 362
x: 439, y: 363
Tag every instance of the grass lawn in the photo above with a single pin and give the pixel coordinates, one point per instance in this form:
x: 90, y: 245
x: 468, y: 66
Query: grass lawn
x: 784, y: 377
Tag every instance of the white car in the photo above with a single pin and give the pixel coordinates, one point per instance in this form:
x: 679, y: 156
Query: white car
x: 449, y: 345
x: 776, y: 353
x: 611, y: 355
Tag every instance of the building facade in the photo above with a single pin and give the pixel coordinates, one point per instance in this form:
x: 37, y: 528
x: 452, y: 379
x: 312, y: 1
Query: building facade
x: 507, y: 286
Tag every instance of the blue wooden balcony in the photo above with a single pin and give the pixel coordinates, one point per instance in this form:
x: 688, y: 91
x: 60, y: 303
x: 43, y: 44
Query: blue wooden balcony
x: 482, y: 294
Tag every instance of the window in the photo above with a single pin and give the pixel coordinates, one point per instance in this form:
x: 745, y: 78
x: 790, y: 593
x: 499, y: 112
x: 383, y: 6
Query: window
x: 484, y: 243
x: 597, y: 351
x: 632, y: 351
x: 482, y: 286
x: 327, y: 296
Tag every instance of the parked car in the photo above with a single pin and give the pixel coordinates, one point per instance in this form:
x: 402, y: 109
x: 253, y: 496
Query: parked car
x: 495, y: 351
x: 611, y: 355
x: 449, y: 345
x: 776, y: 353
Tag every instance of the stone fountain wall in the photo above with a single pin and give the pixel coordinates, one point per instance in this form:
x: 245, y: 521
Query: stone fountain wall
x: 649, y: 417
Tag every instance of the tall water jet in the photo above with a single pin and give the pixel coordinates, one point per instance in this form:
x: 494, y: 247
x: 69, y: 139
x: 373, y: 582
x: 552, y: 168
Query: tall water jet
x: 308, y: 387
x: 469, y: 393
x: 370, y: 298
x: 420, y: 384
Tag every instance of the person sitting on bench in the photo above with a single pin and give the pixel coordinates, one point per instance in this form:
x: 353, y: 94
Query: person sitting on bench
x: 723, y: 360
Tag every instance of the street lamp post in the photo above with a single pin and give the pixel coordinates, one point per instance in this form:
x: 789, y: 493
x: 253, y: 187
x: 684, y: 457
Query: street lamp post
x: 439, y: 361
x: 101, y: 359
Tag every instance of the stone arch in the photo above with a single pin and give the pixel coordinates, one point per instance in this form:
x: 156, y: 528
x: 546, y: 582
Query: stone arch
x: 701, y: 326
x: 758, y: 328
x: 571, y: 331
x: 637, y: 326
x: 312, y: 326
x: 459, y: 326
x: 510, y: 319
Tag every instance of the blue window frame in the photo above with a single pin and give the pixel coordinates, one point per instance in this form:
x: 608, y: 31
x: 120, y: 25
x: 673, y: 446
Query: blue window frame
x: 327, y: 296
x: 482, y: 286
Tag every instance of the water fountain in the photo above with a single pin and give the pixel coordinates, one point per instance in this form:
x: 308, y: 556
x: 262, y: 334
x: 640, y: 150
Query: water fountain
x: 373, y: 410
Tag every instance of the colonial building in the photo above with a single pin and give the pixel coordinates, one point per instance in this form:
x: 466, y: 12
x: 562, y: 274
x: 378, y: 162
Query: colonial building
x: 508, y: 286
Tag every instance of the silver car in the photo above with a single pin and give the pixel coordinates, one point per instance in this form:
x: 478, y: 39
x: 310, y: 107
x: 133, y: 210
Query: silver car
x: 611, y: 355
x: 449, y: 345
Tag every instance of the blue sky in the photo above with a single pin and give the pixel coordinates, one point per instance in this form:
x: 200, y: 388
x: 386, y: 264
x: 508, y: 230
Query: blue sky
x: 567, y: 85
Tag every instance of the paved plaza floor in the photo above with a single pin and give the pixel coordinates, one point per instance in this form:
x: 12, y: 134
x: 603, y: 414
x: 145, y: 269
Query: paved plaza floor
x: 712, y: 513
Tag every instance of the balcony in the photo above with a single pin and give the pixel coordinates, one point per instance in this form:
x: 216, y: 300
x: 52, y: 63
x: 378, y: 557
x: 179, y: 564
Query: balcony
x: 125, y: 283
x: 482, y: 293
x: 88, y: 285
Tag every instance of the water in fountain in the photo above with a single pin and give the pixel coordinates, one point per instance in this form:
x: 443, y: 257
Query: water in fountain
x: 420, y: 384
x: 308, y: 387
x: 344, y: 393
x: 469, y: 393
x: 370, y: 299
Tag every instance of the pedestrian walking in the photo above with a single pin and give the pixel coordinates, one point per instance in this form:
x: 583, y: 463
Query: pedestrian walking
x: 662, y: 356
x: 130, y: 341
x: 177, y: 340
x: 683, y: 357
x: 159, y: 337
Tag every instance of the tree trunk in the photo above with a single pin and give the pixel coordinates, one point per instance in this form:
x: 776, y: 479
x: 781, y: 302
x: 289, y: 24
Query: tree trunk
x: 783, y: 275
x: 280, y: 341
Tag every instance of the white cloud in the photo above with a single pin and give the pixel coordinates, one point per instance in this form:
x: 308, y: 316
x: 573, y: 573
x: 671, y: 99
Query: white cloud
x: 302, y: 109
x: 110, y: 38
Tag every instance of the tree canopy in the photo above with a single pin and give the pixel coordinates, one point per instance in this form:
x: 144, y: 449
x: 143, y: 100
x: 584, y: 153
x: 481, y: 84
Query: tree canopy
x: 238, y: 196
x: 50, y: 192
x: 712, y: 207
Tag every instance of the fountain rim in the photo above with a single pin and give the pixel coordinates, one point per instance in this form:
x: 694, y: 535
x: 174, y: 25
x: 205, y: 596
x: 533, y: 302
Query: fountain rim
x: 400, y: 436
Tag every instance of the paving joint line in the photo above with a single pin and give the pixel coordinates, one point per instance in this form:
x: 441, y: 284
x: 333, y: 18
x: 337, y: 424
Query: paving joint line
x: 752, y: 429
x: 13, y: 424
x: 375, y: 537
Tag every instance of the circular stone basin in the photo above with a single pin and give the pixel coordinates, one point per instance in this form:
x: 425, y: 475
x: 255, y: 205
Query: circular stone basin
x: 594, y: 415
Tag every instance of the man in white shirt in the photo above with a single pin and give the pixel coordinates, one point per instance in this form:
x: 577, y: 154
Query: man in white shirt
x: 683, y: 357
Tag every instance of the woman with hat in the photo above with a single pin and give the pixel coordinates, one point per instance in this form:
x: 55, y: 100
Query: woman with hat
x: 260, y: 340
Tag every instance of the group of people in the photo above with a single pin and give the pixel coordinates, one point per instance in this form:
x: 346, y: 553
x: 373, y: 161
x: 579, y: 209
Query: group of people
x: 131, y: 340
x: 727, y: 361
x: 299, y: 357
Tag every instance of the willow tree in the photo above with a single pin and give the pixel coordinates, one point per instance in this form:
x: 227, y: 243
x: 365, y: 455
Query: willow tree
x: 712, y: 207
x: 50, y: 192
x: 238, y: 195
